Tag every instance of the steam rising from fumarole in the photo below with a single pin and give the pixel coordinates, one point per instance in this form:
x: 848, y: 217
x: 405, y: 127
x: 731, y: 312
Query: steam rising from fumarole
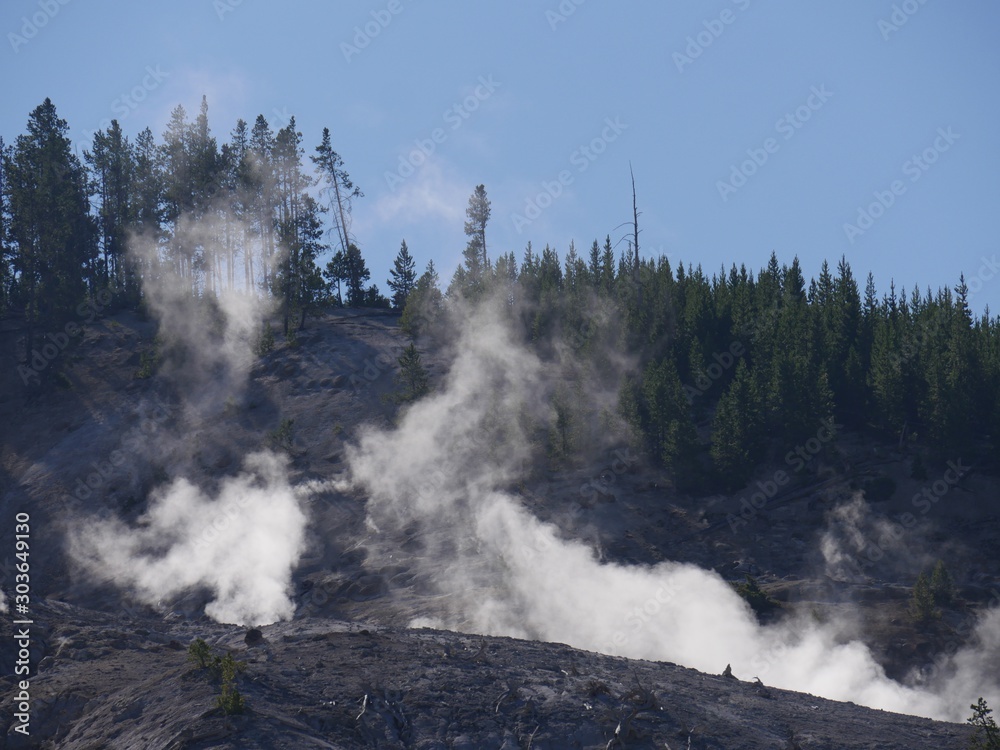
x: 241, y: 541
x: 206, y: 340
x: 503, y: 572
x: 241, y: 546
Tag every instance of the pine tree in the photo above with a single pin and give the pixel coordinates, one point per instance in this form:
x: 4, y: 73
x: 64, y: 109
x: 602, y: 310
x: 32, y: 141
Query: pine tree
x: 471, y: 282
x: 423, y: 306
x: 563, y: 437
x: 607, y: 266
x: 412, y: 375
x: 548, y: 288
x: 666, y: 420
x: 238, y: 183
x: 527, y: 276
x: 594, y: 264
x: 886, y: 374
x: 307, y: 288
x: 374, y: 298
x: 574, y: 273
x: 941, y: 586
x: 736, y: 430
x: 51, y: 229
x: 846, y: 368
x: 403, y: 277
x: 922, y: 601
x: 147, y: 192
x: 335, y: 274
x: 356, y: 275
x: 505, y: 273
x: 987, y: 734
x: 798, y: 394
x: 341, y: 191
x: 261, y: 177
x: 298, y: 225
x: 178, y: 193
x: 478, y: 214
x: 205, y: 163
x: 111, y: 165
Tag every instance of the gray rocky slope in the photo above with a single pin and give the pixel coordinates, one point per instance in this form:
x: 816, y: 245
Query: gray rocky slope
x: 346, y: 671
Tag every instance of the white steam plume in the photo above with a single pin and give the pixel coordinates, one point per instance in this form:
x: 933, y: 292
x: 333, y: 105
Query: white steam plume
x: 241, y: 546
x: 206, y: 339
x: 501, y: 571
x: 859, y: 544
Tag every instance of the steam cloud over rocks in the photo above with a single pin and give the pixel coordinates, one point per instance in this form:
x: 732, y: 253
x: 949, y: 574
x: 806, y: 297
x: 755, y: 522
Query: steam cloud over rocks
x: 444, y: 469
x: 441, y: 477
x: 241, y: 546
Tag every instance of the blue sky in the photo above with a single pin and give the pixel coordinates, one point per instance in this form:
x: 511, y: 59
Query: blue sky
x: 751, y: 126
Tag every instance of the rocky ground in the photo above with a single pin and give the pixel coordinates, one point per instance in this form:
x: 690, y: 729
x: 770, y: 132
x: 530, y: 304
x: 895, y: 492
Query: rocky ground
x: 110, y: 681
x: 346, y: 672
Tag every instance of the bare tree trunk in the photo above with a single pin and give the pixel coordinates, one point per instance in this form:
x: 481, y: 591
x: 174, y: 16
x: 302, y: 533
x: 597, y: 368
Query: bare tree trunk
x: 342, y: 226
x: 635, y: 236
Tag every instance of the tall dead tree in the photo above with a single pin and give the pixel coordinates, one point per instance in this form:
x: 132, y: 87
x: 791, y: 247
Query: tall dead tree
x: 635, y: 239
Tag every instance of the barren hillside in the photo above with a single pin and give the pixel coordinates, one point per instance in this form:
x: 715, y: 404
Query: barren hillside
x: 347, y: 671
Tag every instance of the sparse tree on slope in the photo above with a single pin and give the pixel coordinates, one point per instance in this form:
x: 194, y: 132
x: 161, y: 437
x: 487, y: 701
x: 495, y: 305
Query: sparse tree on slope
x: 403, y: 277
x: 424, y: 303
x: 477, y: 263
x: 341, y: 190
x: 335, y: 274
x: 412, y: 375
x: 356, y: 274
x: 478, y: 214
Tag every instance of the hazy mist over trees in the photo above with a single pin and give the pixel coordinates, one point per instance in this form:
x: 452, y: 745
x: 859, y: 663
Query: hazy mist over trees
x: 725, y: 360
